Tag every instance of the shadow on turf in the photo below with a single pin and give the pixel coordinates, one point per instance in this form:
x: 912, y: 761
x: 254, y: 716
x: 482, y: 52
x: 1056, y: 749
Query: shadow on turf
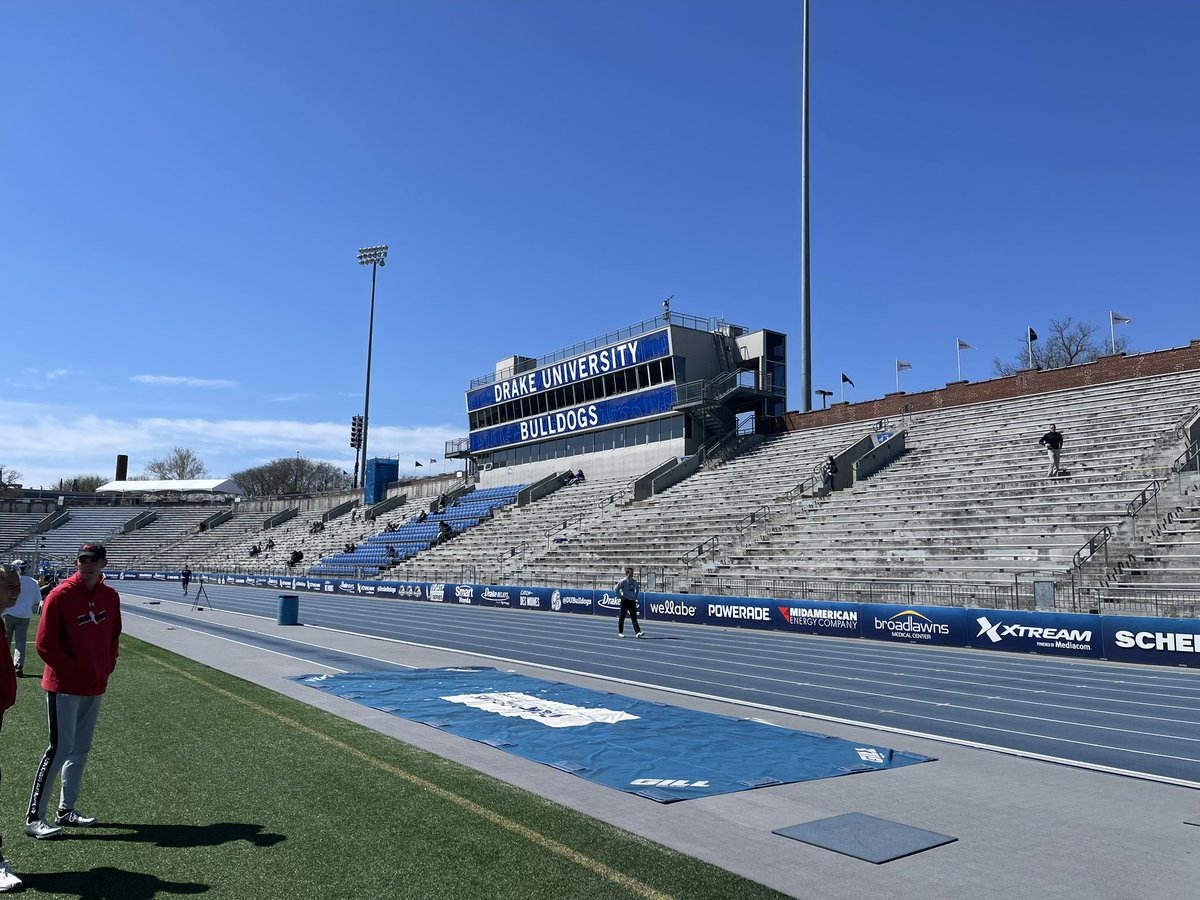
x: 181, y: 835
x: 107, y: 883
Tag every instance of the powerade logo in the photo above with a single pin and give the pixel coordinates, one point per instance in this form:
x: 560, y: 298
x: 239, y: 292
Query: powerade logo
x: 437, y: 592
x: 1050, y: 638
x: 672, y: 608
x: 729, y: 611
x: 1159, y: 641
x: 912, y: 624
x: 844, y: 619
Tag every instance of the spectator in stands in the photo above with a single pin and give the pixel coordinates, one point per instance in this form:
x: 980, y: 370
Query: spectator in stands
x: 568, y: 477
x: 829, y: 475
x: 579, y: 479
x: 16, y: 617
x: 78, y: 638
x: 422, y: 516
x: 628, y: 590
x: 10, y: 592
x: 445, y: 532
x: 1052, y: 440
x: 441, y: 503
x: 391, y: 552
x: 295, y: 558
x: 270, y: 543
x: 186, y: 577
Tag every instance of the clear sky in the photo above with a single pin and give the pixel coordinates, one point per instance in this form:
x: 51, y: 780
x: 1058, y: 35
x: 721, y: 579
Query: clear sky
x: 184, y: 186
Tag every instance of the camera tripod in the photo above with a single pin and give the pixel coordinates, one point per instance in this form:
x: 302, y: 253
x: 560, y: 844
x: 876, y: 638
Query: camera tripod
x: 201, y: 593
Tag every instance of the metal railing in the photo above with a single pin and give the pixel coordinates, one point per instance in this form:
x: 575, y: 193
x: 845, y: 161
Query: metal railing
x: 1144, y: 497
x: 1188, y: 460
x: 1088, y: 555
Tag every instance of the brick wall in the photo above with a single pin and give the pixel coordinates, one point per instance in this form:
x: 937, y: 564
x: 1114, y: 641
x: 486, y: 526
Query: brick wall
x: 1104, y: 370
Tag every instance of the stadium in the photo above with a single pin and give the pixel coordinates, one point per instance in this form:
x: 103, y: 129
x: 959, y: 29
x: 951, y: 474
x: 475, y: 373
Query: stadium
x: 667, y: 445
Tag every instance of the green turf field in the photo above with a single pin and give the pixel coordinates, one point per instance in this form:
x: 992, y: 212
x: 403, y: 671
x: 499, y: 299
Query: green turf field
x: 209, y: 785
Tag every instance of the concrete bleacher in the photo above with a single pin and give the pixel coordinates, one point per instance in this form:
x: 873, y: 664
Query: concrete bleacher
x: 15, y: 526
x: 169, y: 525
x: 513, y: 534
x: 81, y: 524
x: 971, y: 498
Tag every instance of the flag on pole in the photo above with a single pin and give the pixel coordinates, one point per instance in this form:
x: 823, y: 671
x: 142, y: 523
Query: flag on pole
x: 1032, y: 335
x: 846, y: 380
x: 433, y: 460
x: 902, y: 366
x: 963, y: 345
x: 417, y: 464
x: 1119, y: 319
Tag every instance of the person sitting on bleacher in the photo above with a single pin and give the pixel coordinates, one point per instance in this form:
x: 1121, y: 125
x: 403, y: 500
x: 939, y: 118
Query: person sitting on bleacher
x: 422, y: 516
x: 579, y: 479
x: 444, y: 532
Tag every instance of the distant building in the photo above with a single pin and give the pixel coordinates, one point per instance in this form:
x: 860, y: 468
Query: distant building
x: 622, y: 403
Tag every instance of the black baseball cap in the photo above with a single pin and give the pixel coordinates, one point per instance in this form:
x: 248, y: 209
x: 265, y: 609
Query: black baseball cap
x: 92, y: 551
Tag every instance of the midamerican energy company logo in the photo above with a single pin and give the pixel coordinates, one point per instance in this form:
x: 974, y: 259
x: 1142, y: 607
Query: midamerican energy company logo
x: 911, y: 624
x: 802, y: 616
x: 1056, y: 638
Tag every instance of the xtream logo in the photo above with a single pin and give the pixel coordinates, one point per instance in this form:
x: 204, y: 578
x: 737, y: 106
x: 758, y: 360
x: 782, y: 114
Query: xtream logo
x: 997, y: 632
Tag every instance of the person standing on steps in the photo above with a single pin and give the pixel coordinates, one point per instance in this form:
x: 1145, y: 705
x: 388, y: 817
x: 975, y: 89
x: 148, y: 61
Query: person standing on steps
x: 628, y: 591
x: 1052, y: 440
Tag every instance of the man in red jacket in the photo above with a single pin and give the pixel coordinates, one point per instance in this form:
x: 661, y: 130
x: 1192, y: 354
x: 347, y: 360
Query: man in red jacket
x: 10, y: 590
x: 77, y: 638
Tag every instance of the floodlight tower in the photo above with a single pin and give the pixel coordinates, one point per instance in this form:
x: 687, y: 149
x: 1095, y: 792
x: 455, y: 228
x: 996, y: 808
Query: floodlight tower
x: 373, y: 257
x: 805, y: 295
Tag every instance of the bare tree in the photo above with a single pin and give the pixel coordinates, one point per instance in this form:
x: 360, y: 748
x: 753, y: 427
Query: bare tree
x: 1068, y: 343
x: 291, y: 475
x: 10, y: 480
x: 180, y: 464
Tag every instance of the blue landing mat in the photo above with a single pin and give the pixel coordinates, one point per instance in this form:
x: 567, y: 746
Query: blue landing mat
x: 661, y: 752
x: 865, y: 837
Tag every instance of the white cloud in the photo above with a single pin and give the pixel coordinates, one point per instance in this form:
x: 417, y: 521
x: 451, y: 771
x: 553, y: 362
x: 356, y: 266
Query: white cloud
x: 186, y: 380
x: 46, y: 443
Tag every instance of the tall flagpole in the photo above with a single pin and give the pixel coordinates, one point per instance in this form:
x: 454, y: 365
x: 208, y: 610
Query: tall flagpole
x: 805, y: 295
x: 1112, y: 332
x: 958, y: 353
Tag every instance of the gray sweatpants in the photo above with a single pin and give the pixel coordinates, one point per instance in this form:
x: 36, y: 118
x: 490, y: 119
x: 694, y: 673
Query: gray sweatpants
x: 72, y: 722
x: 17, y: 630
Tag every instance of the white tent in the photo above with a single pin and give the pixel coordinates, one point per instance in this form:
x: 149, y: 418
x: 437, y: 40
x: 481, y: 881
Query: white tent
x: 189, y: 486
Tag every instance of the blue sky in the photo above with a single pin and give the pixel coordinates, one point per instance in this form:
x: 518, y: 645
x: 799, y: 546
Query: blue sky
x: 184, y: 186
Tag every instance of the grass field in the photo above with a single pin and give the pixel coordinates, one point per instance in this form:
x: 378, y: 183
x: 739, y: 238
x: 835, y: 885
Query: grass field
x: 209, y: 785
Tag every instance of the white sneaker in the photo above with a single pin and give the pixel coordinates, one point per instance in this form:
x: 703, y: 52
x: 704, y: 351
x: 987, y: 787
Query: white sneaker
x: 41, y: 830
x: 8, y: 881
x: 641, y: 634
x: 74, y: 819
x: 620, y: 634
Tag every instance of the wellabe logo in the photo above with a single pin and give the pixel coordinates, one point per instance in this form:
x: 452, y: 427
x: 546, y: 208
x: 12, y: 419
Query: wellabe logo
x: 672, y: 608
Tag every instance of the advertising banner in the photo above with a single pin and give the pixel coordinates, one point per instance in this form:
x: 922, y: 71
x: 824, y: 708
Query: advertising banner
x: 570, y: 600
x: 1061, y: 634
x: 600, y: 362
x: 687, y: 608
x: 602, y: 413
x: 534, y: 598
x: 818, y: 617
x: 736, y: 612
x: 1160, y: 642
x: 943, y: 625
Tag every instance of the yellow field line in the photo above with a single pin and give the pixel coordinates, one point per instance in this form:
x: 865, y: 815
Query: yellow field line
x: 535, y: 837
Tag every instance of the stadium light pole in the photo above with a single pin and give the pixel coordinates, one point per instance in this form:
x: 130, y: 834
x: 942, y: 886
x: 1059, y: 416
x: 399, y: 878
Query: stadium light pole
x: 373, y: 257
x: 805, y: 294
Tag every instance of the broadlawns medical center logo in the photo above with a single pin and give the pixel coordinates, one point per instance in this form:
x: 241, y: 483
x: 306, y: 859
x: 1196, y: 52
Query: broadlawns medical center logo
x: 911, y: 625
